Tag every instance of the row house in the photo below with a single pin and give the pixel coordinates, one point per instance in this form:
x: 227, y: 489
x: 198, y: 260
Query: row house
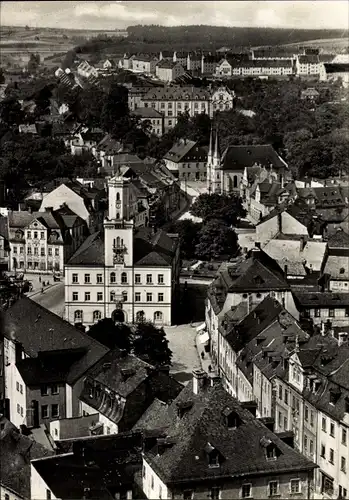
x: 248, y: 280
x: 309, y: 65
x: 194, y: 450
x: 127, y: 275
x: 45, y: 359
x: 120, y: 388
x: 323, y: 307
x: 272, y: 54
x: 139, y: 63
x: 172, y: 102
x: 85, y: 139
x: 337, y: 261
x: 312, y: 399
x: 86, y: 70
x: 228, y: 67
x: 4, y: 243
x: 43, y: 241
x: 187, y: 160
x: 135, y: 96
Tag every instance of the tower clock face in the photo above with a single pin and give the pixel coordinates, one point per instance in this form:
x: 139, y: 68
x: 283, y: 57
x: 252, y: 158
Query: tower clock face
x: 119, y: 254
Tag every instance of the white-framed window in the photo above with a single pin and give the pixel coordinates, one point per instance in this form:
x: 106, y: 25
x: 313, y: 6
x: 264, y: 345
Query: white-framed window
x: 158, y: 316
x: 137, y: 278
x: 75, y: 296
x: 160, y: 297
x: 55, y: 410
x: 160, y: 279
x: 149, y: 297
x: 295, y: 486
x: 99, y: 278
x: 78, y: 316
x: 54, y: 389
x: 137, y: 296
x: 149, y: 279
x: 87, y: 278
x: 112, y: 277
x: 75, y: 278
x: 87, y: 296
x: 97, y: 315
x: 343, y: 465
x: 99, y: 296
x: 44, y: 411
x: 123, y: 277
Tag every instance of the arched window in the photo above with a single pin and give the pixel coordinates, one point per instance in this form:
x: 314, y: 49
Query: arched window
x: 235, y: 181
x: 140, y: 316
x: 117, y: 196
x: 97, y: 315
x: 118, y: 241
x: 78, y: 316
x: 112, y: 278
x: 112, y: 296
x: 158, y: 317
x: 123, y: 277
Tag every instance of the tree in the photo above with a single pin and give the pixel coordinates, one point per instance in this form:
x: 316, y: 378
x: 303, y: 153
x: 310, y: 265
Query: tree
x: 2, y: 77
x: 216, y: 240
x: 112, y: 335
x: 188, y: 232
x: 151, y: 345
x: 11, y: 112
x: 227, y: 208
x: 115, y: 107
x: 33, y: 63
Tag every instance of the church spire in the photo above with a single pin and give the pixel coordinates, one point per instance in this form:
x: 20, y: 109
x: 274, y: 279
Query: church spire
x: 217, y: 154
x: 210, y: 149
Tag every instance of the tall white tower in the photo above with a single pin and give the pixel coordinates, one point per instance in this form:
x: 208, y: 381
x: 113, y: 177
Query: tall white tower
x: 118, y: 229
x: 209, y: 163
x: 214, y: 171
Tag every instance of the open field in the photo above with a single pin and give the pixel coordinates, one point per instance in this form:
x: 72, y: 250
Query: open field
x: 329, y: 43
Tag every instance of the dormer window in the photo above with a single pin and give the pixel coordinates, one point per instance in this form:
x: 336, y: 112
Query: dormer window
x: 213, y: 456
x: 232, y: 419
x: 126, y: 373
x: 183, y: 407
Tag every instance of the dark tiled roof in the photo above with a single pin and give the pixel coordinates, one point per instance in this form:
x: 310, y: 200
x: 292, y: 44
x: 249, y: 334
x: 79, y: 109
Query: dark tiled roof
x: 203, y: 428
x: 179, y: 150
x: 239, y: 157
x: 321, y: 299
x: 38, y: 330
x: 325, y: 197
x: 91, y: 252
x: 153, y: 249
x: 340, y: 239
x: 164, y: 63
x: 157, y: 408
x: 16, y: 451
x: 176, y: 94
x: 310, y: 59
x: 147, y: 113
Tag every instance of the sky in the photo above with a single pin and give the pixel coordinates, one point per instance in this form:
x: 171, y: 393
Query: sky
x: 120, y: 14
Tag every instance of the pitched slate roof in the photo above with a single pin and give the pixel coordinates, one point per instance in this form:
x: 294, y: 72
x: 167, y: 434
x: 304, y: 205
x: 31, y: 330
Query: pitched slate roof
x: 321, y: 299
x: 203, y: 428
x: 340, y: 239
x: 236, y: 158
x: 168, y: 93
x: 153, y: 249
x: 38, y: 330
x: 91, y: 252
x: 147, y: 113
x: 325, y: 197
x: 179, y: 150
x: 337, y: 267
x: 16, y: 451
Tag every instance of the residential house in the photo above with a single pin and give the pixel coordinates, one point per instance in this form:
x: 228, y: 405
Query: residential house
x: 209, y: 63
x: 187, y: 160
x: 86, y: 203
x: 97, y: 467
x: 135, y: 95
x: 336, y: 71
x: 45, y: 360
x: 200, y: 450
x: 121, y: 387
x: 153, y: 117
x: 230, y: 66
x: 4, y: 243
x: 172, y: 101
x: 16, y: 451
x: 86, y: 70
x: 135, y: 273
x: 310, y: 94
x: 272, y: 53
x: 109, y: 64
x: 323, y: 307
x: 337, y: 261
x: 43, y: 241
x: 194, y: 62
x: 167, y: 71
x: 144, y: 64
x: 85, y: 139
x: 126, y: 62
x: 249, y: 279
x: 181, y: 58
x: 296, y: 219
x: 329, y: 201
x: 315, y: 380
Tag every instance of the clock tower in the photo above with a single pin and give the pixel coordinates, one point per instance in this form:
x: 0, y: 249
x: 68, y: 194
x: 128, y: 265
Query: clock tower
x: 118, y: 229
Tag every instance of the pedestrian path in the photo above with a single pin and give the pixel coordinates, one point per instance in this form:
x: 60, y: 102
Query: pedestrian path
x: 205, y: 357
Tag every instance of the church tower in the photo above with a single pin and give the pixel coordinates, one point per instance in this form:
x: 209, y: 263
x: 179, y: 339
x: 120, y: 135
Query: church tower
x: 214, y: 172
x: 118, y: 229
x: 209, y: 163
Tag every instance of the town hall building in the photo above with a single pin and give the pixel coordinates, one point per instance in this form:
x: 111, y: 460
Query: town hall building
x: 128, y: 274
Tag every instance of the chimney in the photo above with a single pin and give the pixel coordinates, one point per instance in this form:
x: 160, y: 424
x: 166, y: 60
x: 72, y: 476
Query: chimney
x: 279, y: 216
x: 342, y: 338
x: 285, y: 270
x: 258, y: 244
x: 199, y: 380
x: 214, y: 379
x: 302, y: 243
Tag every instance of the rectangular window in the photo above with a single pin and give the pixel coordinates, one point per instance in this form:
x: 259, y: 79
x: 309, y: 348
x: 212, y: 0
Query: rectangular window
x: 344, y: 437
x: 87, y: 296
x: 44, y: 411
x: 273, y: 488
x: 343, y: 464
x: 18, y: 409
x: 75, y: 278
x: 323, y: 451
x: 305, y: 444
x: 137, y: 278
x: 317, y: 312
x: 42, y: 235
x: 323, y: 424
x: 149, y: 297
x: 35, y: 234
x: 149, y: 279
x: 44, y: 390
x: 87, y: 278
x: 50, y: 251
x: 285, y: 423
x: 99, y: 296
x: 137, y: 297
x: 56, y: 252
x: 99, y: 278
x: 342, y: 492
x: 215, y: 493
x: 36, y: 251
x: 286, y: 397
x: 21, y: 250
x: 280, y: 419
x: 332, y: 429
x: 306, y: 413
x: 54, y: 389
x: 327, y: 485
x: 280, y: 391
x: 17, y: 386
x: 54, y: 411
x: 29, y: 235
x: 48, y: 495
x: 160, y: 297
x: 312, y: 418
x: 152, y: 482
x: 75, y: 296
x: 21, y: 388
x: 160, y: 279
x: 295, y: 486
x: 29, y: 250
x: 246, y: 491
x: 331, y: 459
x: 331, y: 312
x: 311, y: 447
x: 14, y: 249
x: 42, y: 252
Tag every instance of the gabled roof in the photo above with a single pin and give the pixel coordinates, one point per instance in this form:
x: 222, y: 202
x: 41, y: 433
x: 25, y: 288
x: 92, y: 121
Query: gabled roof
x: 39, y: 330
x: 203, y: 429
x: 312, y: 299
x: 337, y: 267
x: 340, y: 239
x: 179, y: 150
x: 147, y: 113
x: 239, y: 157
x: 153, y: 249
x: 91, y: 252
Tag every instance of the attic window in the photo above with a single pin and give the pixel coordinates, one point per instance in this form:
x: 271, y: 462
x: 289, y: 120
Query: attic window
x: 183, y: 407
x: 213, y: 455
x: 342, y: 270
x: 127, y: 373
x: 258, y: 280
x: 334, y: 396
x: 232, y: 419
